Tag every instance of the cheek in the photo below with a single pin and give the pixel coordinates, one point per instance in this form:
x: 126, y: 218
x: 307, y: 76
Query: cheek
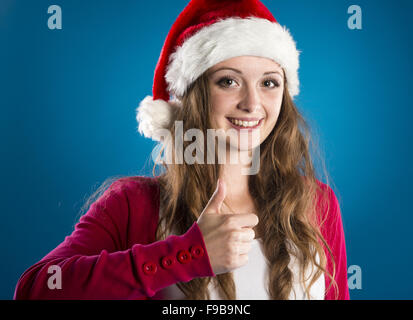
x: 273, y: 108
x: 273, y: 114
x: 220, y: 105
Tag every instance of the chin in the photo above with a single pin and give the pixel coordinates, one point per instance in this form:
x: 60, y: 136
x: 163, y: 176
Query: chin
x: 245, y: 145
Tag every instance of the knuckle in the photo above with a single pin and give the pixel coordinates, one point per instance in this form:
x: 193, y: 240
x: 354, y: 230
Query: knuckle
x: 234, y: 236
x: 236, y: 262
x: 230, y: 222
x: 233, y: 251
x: 230, y: 262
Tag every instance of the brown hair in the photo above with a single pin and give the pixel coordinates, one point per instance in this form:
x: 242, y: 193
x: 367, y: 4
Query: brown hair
x: 283, y: 190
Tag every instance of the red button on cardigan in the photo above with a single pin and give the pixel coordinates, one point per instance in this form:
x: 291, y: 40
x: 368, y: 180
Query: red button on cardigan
x: 149, y: 268
x: 168, y: 262
x: 184, y: 256
x: 197, y: 251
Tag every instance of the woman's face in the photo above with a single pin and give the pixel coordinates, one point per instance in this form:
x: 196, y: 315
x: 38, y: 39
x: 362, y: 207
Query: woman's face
x: 246, y: 94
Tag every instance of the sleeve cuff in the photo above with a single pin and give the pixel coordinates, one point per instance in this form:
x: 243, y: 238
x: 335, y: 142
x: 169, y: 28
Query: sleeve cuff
x: 175, y: 259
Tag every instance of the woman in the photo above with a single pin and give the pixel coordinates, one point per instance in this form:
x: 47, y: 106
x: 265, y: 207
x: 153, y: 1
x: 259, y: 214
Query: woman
x: 206, y: 229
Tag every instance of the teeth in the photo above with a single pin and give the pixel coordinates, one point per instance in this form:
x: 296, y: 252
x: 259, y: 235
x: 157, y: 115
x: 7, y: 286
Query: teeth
x: 244, y: 123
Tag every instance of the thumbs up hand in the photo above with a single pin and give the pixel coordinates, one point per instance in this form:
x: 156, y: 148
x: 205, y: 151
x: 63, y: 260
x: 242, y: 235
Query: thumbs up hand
x: 227, y: 237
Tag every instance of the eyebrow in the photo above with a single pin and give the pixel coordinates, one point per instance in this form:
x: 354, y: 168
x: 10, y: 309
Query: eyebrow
x: 238, y: 71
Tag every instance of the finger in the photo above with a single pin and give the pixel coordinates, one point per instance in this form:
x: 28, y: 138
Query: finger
x: 246, y: 235
x: 243, y: 258
x: 244, y: 247
x: 218, y: 197
x: 242, y: 220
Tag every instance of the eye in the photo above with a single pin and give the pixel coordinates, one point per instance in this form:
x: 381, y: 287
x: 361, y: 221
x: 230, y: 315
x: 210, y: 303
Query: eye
x: 227, y: 82
x: 270, y: 83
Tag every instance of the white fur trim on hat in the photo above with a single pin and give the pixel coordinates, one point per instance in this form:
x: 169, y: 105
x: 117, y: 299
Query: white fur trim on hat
x: 154, y: 115
x: 228, y: 38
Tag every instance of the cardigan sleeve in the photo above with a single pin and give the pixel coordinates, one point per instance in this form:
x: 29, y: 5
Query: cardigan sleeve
x: 95, y: 264
x: 333, y: 232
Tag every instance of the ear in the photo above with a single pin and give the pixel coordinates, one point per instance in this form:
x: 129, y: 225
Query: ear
x: 154, y: 115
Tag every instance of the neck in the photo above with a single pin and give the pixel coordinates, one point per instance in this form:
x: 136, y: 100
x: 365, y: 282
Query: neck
x: 238, y: 196
x: 235, y: 179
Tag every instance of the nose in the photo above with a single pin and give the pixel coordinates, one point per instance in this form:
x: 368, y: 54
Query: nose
x: 250, y: 100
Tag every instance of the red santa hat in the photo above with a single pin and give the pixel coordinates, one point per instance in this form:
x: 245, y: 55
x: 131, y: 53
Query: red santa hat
x: 205, y: 33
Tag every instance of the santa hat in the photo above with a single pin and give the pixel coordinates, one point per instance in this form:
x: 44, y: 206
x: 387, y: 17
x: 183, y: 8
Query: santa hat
x: 205, y: 33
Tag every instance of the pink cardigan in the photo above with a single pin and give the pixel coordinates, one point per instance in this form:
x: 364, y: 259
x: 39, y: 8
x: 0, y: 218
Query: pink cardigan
x: 111, y: 254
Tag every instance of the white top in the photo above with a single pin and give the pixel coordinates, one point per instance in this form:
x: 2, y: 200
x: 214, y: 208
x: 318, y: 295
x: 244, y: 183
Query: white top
x: 251, y: 279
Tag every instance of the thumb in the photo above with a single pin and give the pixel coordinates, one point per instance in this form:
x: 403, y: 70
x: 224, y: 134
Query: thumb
x: 215, y: 203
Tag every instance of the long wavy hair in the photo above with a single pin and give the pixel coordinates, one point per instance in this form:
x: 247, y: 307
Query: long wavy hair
x: 284, y: 192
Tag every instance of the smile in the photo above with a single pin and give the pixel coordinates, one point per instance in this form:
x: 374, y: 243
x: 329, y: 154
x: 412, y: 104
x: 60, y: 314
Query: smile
x: 241, y: 123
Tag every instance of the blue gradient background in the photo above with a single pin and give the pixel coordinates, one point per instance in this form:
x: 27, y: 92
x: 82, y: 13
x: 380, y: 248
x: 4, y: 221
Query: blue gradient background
x: 68, y: 100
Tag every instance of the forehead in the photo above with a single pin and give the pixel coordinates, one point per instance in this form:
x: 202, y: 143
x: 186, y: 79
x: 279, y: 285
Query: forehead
x: 248, y: 63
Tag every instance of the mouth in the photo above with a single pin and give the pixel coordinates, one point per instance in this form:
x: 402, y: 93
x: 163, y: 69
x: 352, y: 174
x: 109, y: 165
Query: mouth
x: 245, y: 123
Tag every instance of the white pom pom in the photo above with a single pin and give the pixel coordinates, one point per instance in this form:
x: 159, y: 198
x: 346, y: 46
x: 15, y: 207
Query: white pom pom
x: 155, y: 115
